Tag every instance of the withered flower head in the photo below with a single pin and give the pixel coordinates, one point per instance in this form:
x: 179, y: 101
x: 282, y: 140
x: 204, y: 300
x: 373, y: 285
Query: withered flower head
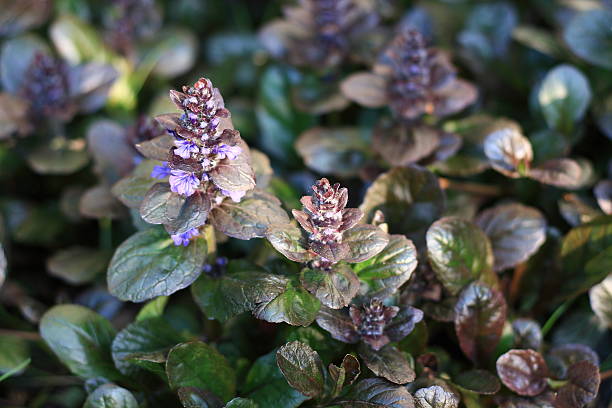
x: 325, y: 218
x: 318, y: 33
x: 208, y: 155
x: 46, y: 86
x: 370, y: 321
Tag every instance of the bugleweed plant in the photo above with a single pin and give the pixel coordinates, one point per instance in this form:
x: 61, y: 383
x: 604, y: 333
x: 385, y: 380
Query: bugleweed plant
x: 306, y: 203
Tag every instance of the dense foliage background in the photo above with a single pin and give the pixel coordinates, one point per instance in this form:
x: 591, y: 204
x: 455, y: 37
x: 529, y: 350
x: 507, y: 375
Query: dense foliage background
x: 469, y: 265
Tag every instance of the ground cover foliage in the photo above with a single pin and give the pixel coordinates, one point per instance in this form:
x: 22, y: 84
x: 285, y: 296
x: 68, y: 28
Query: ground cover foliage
x: 310, y: 203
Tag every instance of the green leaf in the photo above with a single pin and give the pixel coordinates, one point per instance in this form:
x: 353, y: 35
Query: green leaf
x: 564, y: 96
x: 152, y: 335
x: 177, y: 45
x: 376, y: 393
x: 488, y: 30
x: 480, y: 315
x: 148, y: 265
x: 241, y: 403
x: 13, y: 353
x: 243, y: 286
x: 384, y: 273
x: 160, y: 204
x: 289, y: 240
x: 478, y: 381
x: 334, y: 288
x: 57, y: 158
x: 81, y: 339
x: 435, y: 397
x: 111, y: 396
x: 410, y: 199
x: 266, y: 385
x: 153, y: 308
x: 585, y: 253
x: 78, y: 265
x: 588, y: 36
x: 294, y: 306
x: 251, y: 217
x: 516, y: 232
x: 76, y: 40
x: 280, y: 124
x: 387, y: 362
x: 459, y: 253
x: 601, y: 300
x: 196, y: 364
x: 338, y: 151
x: 302, y: 367
x: 132, y: 189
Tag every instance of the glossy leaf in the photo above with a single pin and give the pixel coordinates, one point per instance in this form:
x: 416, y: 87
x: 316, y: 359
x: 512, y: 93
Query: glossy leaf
x: 480, y: 314
x: 289, y: 241
x: 266, y: 385
x: 459, y: 253
x: 391, y: 268
x: 193, y: 397
x: 251, y: 217
x: 564, y: 96
x: 196, y: 364
x: 78, y: 265
x: 603, y: 194
x: 193, y: 213
x: 132, y: 189
x: 508, y: 151
x: 111, y: 396
x: 81, y: 339
x: 516, y: 232
x: 338, y: 324
x: 294, y: 306
x: 148, y: 264
x: 15, y: 58
x: 302, y: 367
x: 367, y: 89
x: 241, y: 288
x: 334, y: 288
x: 527, y: 333
x: 523, y: 371
x: 410, y: 199
x: 388, y: 362
x: 364, y: 241
x: 563, y: 173
x: 478, y: 381
x: 376, y: 393
x: 403, y: 323
x: 400, y: 144
x: 435, y: 397
x: 562, y: 357
x: 14, y: 355
x: 151, y: 335
x: 160, y: 205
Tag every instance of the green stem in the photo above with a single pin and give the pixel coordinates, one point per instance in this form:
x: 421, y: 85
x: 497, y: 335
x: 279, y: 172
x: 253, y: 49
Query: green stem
x: 555, y: 384
x: 556, y: 315
x: 106, y: 233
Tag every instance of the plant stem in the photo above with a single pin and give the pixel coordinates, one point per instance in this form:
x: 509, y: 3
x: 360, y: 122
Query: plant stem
x: 556, y: 315
x: 25, y: 335
x: 106, y: 233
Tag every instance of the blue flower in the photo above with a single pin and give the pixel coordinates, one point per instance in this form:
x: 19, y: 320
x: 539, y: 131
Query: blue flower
x: 161, y: 172
x: 183, y: 182
x: 183, y: 239
x: 231, y: 152
x: 184, y: 148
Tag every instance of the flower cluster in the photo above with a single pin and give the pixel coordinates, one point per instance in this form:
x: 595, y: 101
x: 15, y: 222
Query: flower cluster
x: 129, y: 21
x: 370, y: 321
x: 46, y: 87
x: 203, y: 146
x: 325, y: 218
x: 318, y: 33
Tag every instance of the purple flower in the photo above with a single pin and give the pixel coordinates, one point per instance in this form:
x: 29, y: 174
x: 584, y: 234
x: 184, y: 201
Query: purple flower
x: 184, y: 148
x: 161, y: 172
x: 236, y: 196
x: 183, y: 239
x: 183, y: 182
x: 231, y: 152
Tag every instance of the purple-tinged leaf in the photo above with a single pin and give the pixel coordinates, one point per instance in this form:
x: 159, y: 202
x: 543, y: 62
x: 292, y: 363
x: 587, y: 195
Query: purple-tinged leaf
x: 582, y: 387
x: 289, y: 241
x: 603, y: 194
x: 403, y: 323
x: 339, y: 324
x: 508, y: 151
x: 334, y: 288
x: 401, y: 144
x: 523, y: 371
x: 388, y: 362
x: 156, y: 148
x: 365, y: 88
x: 480, y: 314
x: 302, y: 367
x: 376, y: 393
x: 564, y: 173
x: 527, y: 334
x: 562, y: 357
x: 364, y: 241
x: 435, y: 397
x: 478, y: 381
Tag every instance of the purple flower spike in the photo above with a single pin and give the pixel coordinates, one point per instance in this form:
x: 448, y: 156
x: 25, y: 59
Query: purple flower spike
x: 231, y: 152
x: 236, y: 196
x: 183, y: 239
x: 183, y: 182
x: 185, y: 148
x: 161, y: 172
